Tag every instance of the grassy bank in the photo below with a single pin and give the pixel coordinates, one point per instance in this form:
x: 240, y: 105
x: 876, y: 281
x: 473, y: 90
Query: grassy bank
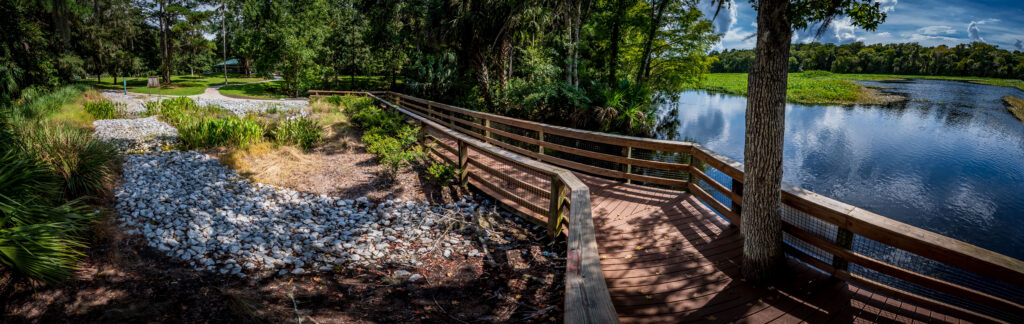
x: 819, y: 87
x: 181, y: 85
x: 1015, y: 105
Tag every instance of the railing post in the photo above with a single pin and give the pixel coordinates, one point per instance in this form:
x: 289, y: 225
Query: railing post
x: 844, y: 239
x: 487, y: 129
x: 737, y: 188
x: 555, y: 208
x: 540, y: 136
x: 463, y: 159
x: 627, y: 151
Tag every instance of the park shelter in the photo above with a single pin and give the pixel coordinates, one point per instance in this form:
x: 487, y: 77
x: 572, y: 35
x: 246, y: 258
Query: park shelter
x: 232, y: 65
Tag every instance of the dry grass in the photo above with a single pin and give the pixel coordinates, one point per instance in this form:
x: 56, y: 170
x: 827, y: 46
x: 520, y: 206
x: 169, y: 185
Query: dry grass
x: 1015, y: 105
x: 268, y: 163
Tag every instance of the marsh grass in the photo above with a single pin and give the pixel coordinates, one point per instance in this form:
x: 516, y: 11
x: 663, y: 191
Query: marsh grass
x: 1015, y: 106
x: 823, y: 87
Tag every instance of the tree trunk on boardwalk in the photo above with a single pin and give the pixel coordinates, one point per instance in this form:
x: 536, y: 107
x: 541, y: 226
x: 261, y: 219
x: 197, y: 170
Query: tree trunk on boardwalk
x: 761, y: 222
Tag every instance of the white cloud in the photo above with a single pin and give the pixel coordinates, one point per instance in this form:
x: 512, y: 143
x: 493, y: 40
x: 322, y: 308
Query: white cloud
x: 974, y: 32
x: 936, y: 30
x: 884, y: 34
x: 726, y: 16
x: 887, y: 5
x: 845, y: 31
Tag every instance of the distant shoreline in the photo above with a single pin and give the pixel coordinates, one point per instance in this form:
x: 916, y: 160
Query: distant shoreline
x: 826, y: 88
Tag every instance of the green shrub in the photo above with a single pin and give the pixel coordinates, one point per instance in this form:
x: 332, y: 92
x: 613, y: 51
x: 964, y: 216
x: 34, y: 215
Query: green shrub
x: 301, y: 131
x: 82, y: 163
x: 40, y: 236
x: 211, y: 132
x: 105, y: 109
x: 442, y: 173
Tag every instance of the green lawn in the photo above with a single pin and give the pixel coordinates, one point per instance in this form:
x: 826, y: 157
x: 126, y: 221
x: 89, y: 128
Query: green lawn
x: 818, y: 87
x: 181, y: 85
x: 263, y: 90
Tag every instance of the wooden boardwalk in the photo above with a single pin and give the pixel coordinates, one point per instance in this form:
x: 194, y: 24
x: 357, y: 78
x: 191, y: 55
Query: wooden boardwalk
x: 650, y: 255
x: 668, y: 259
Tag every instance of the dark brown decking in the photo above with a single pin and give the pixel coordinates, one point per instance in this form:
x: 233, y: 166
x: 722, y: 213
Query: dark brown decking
x: 667, y: 258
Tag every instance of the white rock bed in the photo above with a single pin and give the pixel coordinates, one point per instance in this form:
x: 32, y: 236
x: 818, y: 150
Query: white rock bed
x: 192, y: 208
x: 242, y: 107
x: 143, y: 134
x: 133, y: 104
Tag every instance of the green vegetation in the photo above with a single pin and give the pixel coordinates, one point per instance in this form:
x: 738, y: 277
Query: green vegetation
x: 974, y: 62
x: 821, y: 87
x: 262, y: 90
x: 104, y: 109
x: 385, y: 133
x: 1015, y: 105
x: 181, y: 85
x: 203, y: 127
x: 302, y: 131
x: 48, y: 168
x: 209, y: 132
x: 442, y: 173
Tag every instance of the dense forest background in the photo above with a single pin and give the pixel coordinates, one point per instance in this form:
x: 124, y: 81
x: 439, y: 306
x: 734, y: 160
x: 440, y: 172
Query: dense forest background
x: 591, y: 64
x: 974, y: 59
x: 595, y: 64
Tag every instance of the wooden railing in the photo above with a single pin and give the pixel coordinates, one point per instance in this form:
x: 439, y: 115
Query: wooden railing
x: 586, y: 294
x: 888, y: 257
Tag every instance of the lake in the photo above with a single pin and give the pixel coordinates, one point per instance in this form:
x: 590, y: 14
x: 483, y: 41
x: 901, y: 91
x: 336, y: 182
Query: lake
x: 950, y: 159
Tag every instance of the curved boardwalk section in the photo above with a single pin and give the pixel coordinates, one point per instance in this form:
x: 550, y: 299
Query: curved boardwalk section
x: 667, y: 258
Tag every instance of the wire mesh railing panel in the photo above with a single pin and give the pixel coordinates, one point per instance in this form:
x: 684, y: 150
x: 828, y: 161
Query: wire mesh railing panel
x: 512, y: 141
x: 811, y: 225
x: 587, y: 146
x: 945, y: 272
x: 523, y: 182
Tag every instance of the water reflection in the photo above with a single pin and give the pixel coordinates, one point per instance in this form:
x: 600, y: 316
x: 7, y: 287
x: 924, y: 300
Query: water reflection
x: 950, y: 159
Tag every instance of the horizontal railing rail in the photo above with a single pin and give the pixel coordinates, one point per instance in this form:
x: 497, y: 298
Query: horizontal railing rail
x: 855, y: 245
x: 586, y: 293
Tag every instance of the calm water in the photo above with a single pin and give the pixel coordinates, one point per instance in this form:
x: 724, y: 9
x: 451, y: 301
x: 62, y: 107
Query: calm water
x: 949, y: 160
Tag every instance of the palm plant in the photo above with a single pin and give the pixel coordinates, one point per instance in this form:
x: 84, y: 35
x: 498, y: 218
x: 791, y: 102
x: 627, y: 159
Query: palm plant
x: 39, y: 235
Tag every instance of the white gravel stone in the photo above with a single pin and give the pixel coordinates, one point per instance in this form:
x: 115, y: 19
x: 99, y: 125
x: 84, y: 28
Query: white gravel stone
x: 194, y: 209
x: 136, y: 134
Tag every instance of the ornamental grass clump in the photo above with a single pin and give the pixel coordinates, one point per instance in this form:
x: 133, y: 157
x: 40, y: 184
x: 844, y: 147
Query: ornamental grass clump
x: 302, y: 132
x: 82, y: 164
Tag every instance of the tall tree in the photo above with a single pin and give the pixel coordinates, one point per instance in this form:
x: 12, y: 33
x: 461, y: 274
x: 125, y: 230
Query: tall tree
x: 761, y: 222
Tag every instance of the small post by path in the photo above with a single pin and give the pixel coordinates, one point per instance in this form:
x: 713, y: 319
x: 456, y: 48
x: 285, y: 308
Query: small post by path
x: 124, y: 82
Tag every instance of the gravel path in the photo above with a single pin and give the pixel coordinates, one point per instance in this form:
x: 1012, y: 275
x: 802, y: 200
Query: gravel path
x: 241, y: 107
x: 189, y: 206
x: 138, y: 134
x: 134, y: 103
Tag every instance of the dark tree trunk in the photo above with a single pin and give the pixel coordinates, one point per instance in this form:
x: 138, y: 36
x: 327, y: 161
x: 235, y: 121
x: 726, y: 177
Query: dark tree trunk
x: 761, y: 221
x: 165, y: 64
x: 645, y: 59
x: 616, y: 34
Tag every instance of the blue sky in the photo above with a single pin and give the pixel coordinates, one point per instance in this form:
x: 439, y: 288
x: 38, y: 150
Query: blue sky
x: 928, y: 22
